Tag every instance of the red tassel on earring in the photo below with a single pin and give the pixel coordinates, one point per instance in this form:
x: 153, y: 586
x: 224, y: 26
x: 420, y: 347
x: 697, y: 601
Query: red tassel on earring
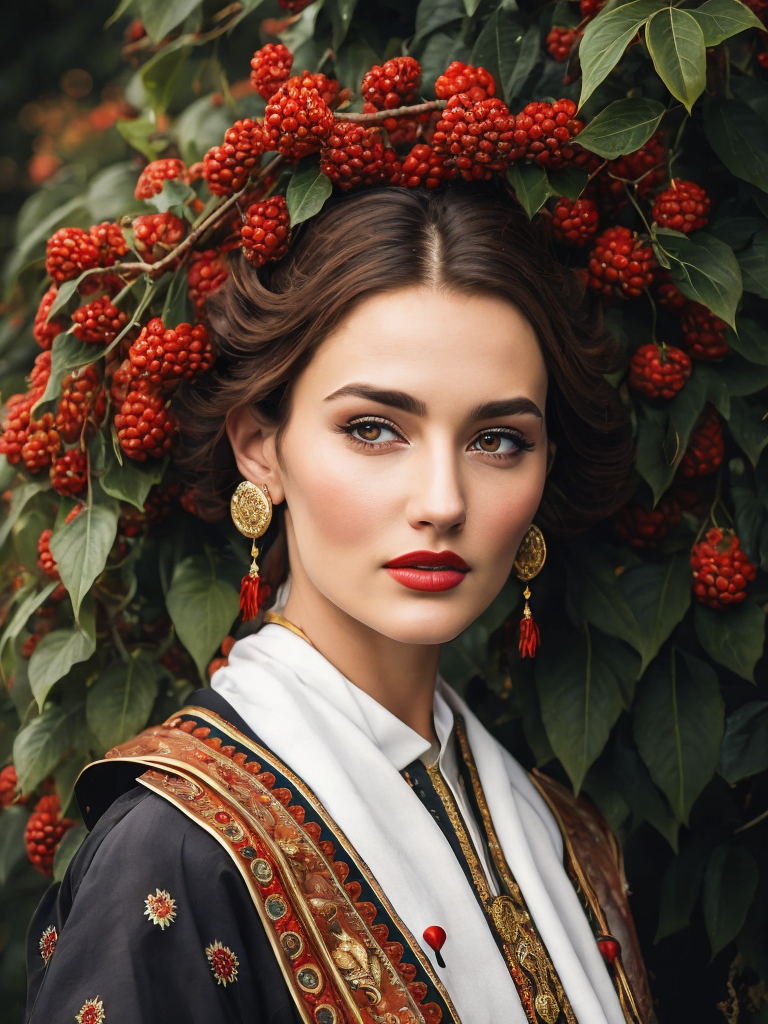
x: 529, y: 631
x: 254, y: 591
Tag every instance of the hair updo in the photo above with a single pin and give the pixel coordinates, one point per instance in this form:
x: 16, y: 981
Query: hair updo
x: 462, y: 238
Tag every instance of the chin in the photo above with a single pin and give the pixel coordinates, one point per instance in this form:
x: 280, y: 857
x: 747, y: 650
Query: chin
x: 423, y: 626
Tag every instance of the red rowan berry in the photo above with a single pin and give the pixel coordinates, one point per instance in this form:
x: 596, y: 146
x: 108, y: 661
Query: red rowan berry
x: 42, y: 444
x: 297, y: 120
x: 659, y: 372
x: 477, y: 137
x: 156, y: 234
x: 44, y: 831
x: 620, y: 264
x: 575, y: 221
x: 98, y: 322
x: 477, y: 83
x: 706, y: 446
x: 684, y: 206
x: 45, y: 332
x: 163, y: 356
x: 392, y: 84
x: 590, y: 8
x: 207, y: 272
x: 423, y: 166
x: 110, y: 240
x: 668, y: 294
x: 721, y: 570
x: 353, y: 154
x: 45, y: 559
x: 330, y: 90
x: 145, y: 426
x: 227, y: 168
x: 703, y: 333
x: 151, y: 179
x: 266, y: 232
x: 69, y: 252
x: 9, y: 787
x: 270, y: 67
x: 69, y: 473
x: 641, y: 527
x: 561, y: 41
x: 82, y: 401
x: 543, y: 133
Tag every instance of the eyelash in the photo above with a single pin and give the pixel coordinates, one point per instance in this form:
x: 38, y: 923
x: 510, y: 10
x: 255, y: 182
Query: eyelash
x: 522, y: 443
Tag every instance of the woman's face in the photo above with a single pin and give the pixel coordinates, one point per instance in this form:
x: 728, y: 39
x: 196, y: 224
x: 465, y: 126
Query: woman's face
x: 417, y: 437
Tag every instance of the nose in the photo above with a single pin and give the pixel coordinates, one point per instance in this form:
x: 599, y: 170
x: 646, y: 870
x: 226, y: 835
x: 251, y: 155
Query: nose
x: 437, y: 494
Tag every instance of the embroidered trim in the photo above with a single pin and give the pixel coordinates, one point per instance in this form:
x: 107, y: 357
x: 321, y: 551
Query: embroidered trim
x: 593, y: 909
x: 530, y: 966
x: 91, y: 1012
x: 315, y: 901
x: 223, y: 963
x: 47, y: 943
x: 161, y: 908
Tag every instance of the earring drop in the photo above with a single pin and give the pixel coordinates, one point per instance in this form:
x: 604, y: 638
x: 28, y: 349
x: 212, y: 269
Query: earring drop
x: 528, y: 563
x: 251, y: 510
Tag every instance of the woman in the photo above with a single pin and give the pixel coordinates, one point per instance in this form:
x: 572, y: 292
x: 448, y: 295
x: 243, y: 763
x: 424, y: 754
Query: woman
x: 328, y: 833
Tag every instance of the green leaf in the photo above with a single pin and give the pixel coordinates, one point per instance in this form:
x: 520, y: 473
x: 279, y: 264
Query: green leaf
x: 434, y: 14
x: 531, y: 186
x: 67, y: 354
x: 54, y: 656
x: 676, y: 44
x: 748, y: 427
x: 173, y: 196
x: 622, y: 127
x: 651, y: 461
x: 70, y: 843
x: 580, y: 698
x: 81, y: 546
x: 122, y: 8
x: 739, y: 136
x: 120, y: 701
x: 159, y: 19
x: 12, y: 851
x: 754, y: 264
x: 745, y: 742
x: 751, y: 341
x: 111, y: 192
x: 340, y: 12
x: 133, y: 480
x: 143, y: 135
x: 200, y: 126
x: 721, y: 19
x: 680, y: 889
x: 684, y: 411
x: 645, y: 800
x: 202, y: 608
x: 569, y: 182
x: 678, y: 726
x: 47, y: 739
x: 308, y: 190
x: 160, y: 73
x: 525, y: 57
x: 704, y: 269
x: 734, y: 637
x: 28, y: 604
x: 498, y: 46
x: 20, y: 497
x: 31, y: 243
x: 730, y: 883
x: 605, y: 39
x: 470, y: 6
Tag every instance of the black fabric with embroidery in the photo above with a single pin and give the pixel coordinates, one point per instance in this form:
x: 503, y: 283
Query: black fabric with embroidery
x: 132, y: 970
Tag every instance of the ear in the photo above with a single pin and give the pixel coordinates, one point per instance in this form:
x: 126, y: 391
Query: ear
x: 551, y: 452
x: 252, y: 437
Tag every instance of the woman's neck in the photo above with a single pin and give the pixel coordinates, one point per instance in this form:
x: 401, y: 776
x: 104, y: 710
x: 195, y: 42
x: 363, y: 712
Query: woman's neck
x: 400, y: 677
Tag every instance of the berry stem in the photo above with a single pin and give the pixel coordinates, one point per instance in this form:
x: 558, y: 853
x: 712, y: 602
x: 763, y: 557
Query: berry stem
x: 384, y: 115
x: 752, y: 823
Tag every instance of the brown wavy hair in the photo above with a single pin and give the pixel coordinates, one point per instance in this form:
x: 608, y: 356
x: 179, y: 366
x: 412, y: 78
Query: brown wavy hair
x: 475, y: 239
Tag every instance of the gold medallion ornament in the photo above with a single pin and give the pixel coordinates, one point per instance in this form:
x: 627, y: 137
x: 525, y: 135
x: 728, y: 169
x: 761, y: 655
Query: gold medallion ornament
x: 251, y: 511
x: 528, y: 563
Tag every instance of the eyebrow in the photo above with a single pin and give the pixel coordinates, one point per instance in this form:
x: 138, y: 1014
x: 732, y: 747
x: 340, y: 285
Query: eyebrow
x: 402, y: 400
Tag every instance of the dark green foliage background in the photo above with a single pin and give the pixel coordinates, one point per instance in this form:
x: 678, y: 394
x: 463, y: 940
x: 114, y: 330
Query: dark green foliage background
x: 654, y: 706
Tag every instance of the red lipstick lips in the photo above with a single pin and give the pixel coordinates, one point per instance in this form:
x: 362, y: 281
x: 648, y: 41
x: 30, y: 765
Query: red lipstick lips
x: 430, y: 571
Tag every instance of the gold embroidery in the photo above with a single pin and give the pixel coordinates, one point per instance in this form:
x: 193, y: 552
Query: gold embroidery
x: 545, y: 1000
x: 91, y: 1012
x: 280, y: 620
x: 161, y: 908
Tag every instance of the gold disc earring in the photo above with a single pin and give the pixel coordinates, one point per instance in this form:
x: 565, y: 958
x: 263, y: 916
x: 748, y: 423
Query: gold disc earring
x: 251, y: 510
x: 529, y: 561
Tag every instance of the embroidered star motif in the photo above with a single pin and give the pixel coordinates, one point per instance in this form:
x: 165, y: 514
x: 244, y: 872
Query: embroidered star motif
x: 223, y: 963
x: 47, y: 943
x: 92, y: 1012
x: 161, y: 908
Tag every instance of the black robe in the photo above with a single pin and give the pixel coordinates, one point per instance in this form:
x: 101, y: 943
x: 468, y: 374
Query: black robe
x: 132, y: 971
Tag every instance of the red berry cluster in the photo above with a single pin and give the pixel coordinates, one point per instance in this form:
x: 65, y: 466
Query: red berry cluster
x: 659, y: 371
x: 9, y: 788
x: 620, y: 264
x: 392, y: 84
x: 477, y: 83
x: 43, y: 330
x: 706, y: 446
x: 69, y: 252
x: 352, y: 155
x: 270, y: 67
x: 643, y: 527
x: 206, y: 273
x: 69, y: 473
x: 423, y: 166
x: 721, y: 570
x: 155, y: 234
x: 703, y: 333
x: 157, y: 172
x: 684, y: 206
x: 297, y: 120
x: 477, y: 136
x: 645, y: 170
x: 145, y: 426
x: 266, y: 232
x: 561, y: 41
x: 44, y: 832
x: 544, y: 133
x: 164, y: 356
x: 98, y: 322
x: 82, y: 404
x: 227, y: 168
x: 575, y: 221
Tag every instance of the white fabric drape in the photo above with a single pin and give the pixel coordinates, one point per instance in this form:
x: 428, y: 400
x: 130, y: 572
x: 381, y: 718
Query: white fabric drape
x: 347, y: 748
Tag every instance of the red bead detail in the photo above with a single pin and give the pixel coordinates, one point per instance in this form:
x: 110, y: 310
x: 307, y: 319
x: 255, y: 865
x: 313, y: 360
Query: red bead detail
x: 609, y: 947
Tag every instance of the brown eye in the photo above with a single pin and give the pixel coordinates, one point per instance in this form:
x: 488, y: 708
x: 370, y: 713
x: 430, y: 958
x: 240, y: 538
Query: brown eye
x: 489, y: 442
x: 369, y: 431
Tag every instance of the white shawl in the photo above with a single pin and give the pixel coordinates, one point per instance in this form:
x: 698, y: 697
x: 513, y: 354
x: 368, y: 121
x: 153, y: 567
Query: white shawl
x: 315, y: 720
